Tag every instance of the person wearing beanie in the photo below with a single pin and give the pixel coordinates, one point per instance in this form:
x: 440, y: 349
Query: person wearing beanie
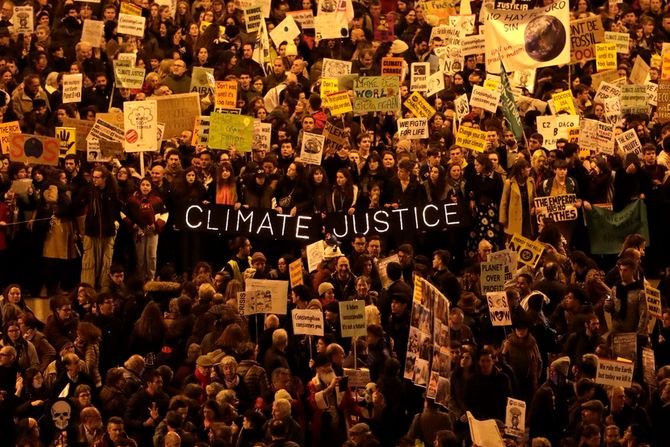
x: 326, y: 292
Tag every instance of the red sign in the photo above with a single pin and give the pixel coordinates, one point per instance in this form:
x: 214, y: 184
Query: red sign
x: 131, y: 136
x: 34, y: 149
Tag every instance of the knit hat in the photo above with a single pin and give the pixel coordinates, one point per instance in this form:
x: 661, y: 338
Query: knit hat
x: 593, y: 405
x: 398, y: 47
x: 562, y: 365
x: 283, y: 394
x: 258, y: 256
x: 324, y: 287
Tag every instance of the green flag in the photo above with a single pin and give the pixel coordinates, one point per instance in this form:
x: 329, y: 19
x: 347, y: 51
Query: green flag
x: 509, y: 107
x: 607, y: 229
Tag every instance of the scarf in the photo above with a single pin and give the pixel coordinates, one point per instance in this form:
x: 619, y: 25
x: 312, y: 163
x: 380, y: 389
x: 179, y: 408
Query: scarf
x: 622, y: 294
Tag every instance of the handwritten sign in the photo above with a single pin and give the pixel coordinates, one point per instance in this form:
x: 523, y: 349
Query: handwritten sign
x: 614, y: 373
x: 499, y: 309
x: 559, y: 208
x: 352, y: 318
x: 72, y: 84
x: 6, y: 129
x: 307, y: 322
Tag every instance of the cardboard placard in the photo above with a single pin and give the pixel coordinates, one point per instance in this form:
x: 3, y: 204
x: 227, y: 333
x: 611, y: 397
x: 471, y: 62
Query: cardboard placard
x: 584, y: 34
x: 560, y: 208
x: 202, y: 81
x: 177, y: 112
x: 419, y: 107
x: 34, y: 149
x: 128, y: 77
x: 492, y: 278
x: 83, y: 128
x: 528, y: 252
x: 252, y: 18
x: 333, y: 68
x: 295, y: 273
x: 376, y: 94
x: 629, y: 142
x: 653, y: 297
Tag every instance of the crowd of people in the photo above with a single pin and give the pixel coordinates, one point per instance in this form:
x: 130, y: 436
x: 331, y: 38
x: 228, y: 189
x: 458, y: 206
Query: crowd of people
x: 145, y: 344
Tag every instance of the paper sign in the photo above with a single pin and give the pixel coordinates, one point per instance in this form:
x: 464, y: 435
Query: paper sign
x: 653, y: 297
x: 104, y: 130
x: 607, y: 90
x: 663, y: 98
x: 72, y: 84
x: 312, y: 148
x: 339, y: 103
x: 286, y: 31
x: 23, y: 20
x: 606, y: 56
x: 92, y: 32
x: 67, y: 137
x: 475, y: 44
x: 665, y: 66
x: 131, y: 25
x: 333, y: 68
x: 624, y: 345
x: 563, y: 101
x: 128, y: 77
x: 419, y: 72
x: 6, y: 129
x: 381, y: 268
x: 254, y: 302
x: 305, y: 18
x: 376, y: 94
x: 621, y: 40
x: 484, y: 98
x: 392, y: 66
x: 419, y: 107
x: 515, y: 417
x: 634, y: 99
x: 435, y: 83
x: 629, y: 142
x: 492, y: 277
x: 83, y: 128
x: 352, y: 318
x: 295, y: 273
x: 499, y: 309
x: 560, y: 208
x: 307, y: 322
x: 226, y: 131
x: 140, y: 122
x: 226, y: 94
x: 640, y: 71
x: 509, y: 260
x: 471, y: 138
x: 314, y: 255
x: 528, y: 251
x: 484, y: 433
x: 554, y: 127
x: 412, y: 128
x: 649, y: 366
x: 177, y: 112
x: 34, y: 149
x: 262, y: 135
x: 278, y: 292
x: 651, y: 93
x: 584, y: 34
x: 328, y: 86
x: 252, y: 18
x: 358, y: 378
x: 129, y: 8
x: 202, y: 81
x: 94, y: 154
x: 614, y: 373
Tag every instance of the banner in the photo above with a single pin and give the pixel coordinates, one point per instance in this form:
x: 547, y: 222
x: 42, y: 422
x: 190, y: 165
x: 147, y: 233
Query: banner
x: 376, y: 94
x: 419, y: 72
x: 528, y: 252
x: 34, y: 149
x: 352, y: 318
x: 140, y: 124
x: 412, y: 128
x: 278, y: 291
x: 268, y: 224
x: 419, y: 107
x: 527, y: 39
x: 307, y: 321
x: 584, y: 35
x: 499, y: 309
x: 471, y: 139
x: 608, y: 229
x: 560, y: 208
x: 226, y: 131
x: 312, y: 148
x: 72, y: 86
x: 614, y: 373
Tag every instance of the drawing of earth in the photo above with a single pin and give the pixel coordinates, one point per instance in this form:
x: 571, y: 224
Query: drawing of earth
x: 545, y: 38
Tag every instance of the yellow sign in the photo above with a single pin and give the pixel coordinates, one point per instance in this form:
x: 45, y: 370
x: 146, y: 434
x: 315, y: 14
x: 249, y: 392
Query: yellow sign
x: 656, y: 61
x: 129, y: 8
x: 329, y: 86
x: 226, y: 94
x: 6, y: 129
x: 67, y: 137
x: 653, y: 297
x: 471, y: 138
x: 563, y: 101
x: 492, y: 85
x: 339, y: 103
x: 295, y: 273
x: 606, y: 56
x: 419, y: 106
x: 528, y: 252
x: 665, y: 66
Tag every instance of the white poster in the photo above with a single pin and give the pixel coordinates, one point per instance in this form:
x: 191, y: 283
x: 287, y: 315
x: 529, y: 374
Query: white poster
x: 307, y: 322
x: 254, y: 302
x: 412, y: 128
x: 484, y: 433
x: 435, y: 83
x: 278, y: 291
x: 485, y: 98
x: 314, y: 254
x: 352, y: 318
x: 72, y: 85
x: 554, y: 127
x: 262, y: 135
x: 515, y: 417
x: 286, y: 31
x: 499, y: 309
x: 333, y: 68
x: 312, y: 148
x: 614, y: 373
x: 92, y: 32
x: 140, y: 120
x: 629, y: 142
x: 528, y: 39
x: 419, y: 73
x: 131, y: 25
x: 23, y: 20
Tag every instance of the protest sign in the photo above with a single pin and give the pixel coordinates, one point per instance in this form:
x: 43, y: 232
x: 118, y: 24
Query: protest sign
x: 376, y: 94
x: 492, y: 277
x: 129, y: 8
x: 649, y: 366
x: 475, y: 44
x: 226, y: 94
x: 471, y: 139
x: 584, y: 35
x: 286, y: 31
x: 336, y: 137
x: 663, y: 98
x: 358, y: 378
x: 328, y: 86
x: 307, y: 322
x: 640, y: 71
x: 304, y: 17
x: 252, y: 302
x: 262, y: 135
x: 629, y: 142
x: 665, y: 66
x: 93, y: 152
x: 339, y: 103
x: 607, y: 90
x: 352, y: 318
x: 314, y: 254
x: 451, y: 58
x: 67, y: 137
x: 252, y: 18
x: 83, y: 128
x: 140, y: 125
x: 634, y: 99
x: 651, y: 93
x: 608, y: 229
x: 177, y: 112
x: 442, y: 9
x: 653, y: 297
x: 484, y: 433
x: 6, y: 129
x: 131, y: 25
x: 201, y: 131
x: 484, y: 98
x: 624, y: 345
x: 419, y: 107
x: 461, y: 107
x: 528, y: 251
x: 621, y: 40
x: 312, y: 148
x: 295, y: 273
x: 435, y: 83
x: 515, y: 418
x: 330, y: 27
x: 104, y: 130
x: 227, y: 130
x: 614, y: 373
x: 413, y: 128
x: 563, y: 101
x: 527, y: 39
x: 128, y: 77
x: 92, y: 31
x: 560, y: 208
x: 202, y: 81
x: 606, y: 56
x: 509, y: 260
x: 23, y: 20
x: 603, y: 76
x: 393, y: 66
x: 34, y: 149
x: 278, y: 293
x: 419, y: 72
x: 110, y: 149
x: 499, y: 309
x: 612, y: 112
x: 72, y: 85
x: 553, y: 128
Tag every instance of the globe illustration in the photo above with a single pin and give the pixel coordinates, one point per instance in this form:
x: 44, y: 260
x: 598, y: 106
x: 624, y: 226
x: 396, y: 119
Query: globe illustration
x: 545, y: 38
